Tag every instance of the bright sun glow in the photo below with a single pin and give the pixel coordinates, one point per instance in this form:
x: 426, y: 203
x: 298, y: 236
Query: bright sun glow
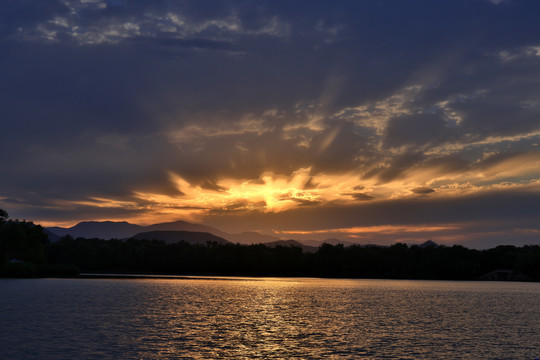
x: 272, y: 193
x: 275, y: 192
x: 268, y: 193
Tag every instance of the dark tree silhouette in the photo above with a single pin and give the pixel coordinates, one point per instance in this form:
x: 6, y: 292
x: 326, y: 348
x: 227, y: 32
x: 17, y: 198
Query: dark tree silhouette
x: 398, y: 261
x: 25, y: 251
x: 3, y: 216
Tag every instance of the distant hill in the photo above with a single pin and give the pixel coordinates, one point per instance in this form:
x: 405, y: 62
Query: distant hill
x: 247, y: 237
x: 318, y: 243
x: 170, y: 237
x: 182, y: 226
x: 428, y: 243
x: 51, y: 236
x: 99, y: 229
x: 122, y: 230
x: 292, y: 243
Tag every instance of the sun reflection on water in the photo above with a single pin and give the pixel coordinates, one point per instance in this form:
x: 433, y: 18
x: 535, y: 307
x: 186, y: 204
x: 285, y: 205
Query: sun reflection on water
x: 244, y: 318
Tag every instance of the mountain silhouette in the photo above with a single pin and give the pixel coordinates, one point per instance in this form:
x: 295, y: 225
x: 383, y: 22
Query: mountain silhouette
x: 122, y: 230
x: 292, y: 243
x: 428, y: 243
x: 99, y: 229
x: 51, y: 236
x: 181, y: 225
x: 170, y: 237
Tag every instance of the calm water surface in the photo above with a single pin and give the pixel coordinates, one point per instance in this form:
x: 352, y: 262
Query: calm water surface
x: 267, y: 318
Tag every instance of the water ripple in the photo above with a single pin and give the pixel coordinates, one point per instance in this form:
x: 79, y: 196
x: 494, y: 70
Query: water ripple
x: 270, y: 319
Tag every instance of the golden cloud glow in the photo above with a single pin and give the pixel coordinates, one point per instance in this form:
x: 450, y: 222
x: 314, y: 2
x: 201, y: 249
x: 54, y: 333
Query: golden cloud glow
x: 271, y: 193
x: 106, y: 203
x: 194, y: 131
x: 447, y: 149
x: 376, y: 115
x: 384, y: 229
x: 520, y: 165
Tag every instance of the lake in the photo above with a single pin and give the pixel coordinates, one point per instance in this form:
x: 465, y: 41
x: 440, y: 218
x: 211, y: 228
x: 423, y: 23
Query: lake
x: 275, y: 318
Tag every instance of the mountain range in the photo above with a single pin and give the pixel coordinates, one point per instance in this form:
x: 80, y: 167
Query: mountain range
x: 170, y: 237
x: 122, y: 230
x: 175, y: 231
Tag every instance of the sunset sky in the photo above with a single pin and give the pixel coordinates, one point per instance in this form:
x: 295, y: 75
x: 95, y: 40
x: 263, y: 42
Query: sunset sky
x: 368, y: 121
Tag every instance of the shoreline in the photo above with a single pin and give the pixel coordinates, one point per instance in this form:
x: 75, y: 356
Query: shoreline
x: 127, y: 276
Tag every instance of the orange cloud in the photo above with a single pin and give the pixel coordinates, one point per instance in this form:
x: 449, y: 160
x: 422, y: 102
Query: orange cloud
x: 383, y: 229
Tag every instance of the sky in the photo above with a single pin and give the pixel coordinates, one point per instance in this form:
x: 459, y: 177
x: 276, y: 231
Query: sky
x: 369, y: 121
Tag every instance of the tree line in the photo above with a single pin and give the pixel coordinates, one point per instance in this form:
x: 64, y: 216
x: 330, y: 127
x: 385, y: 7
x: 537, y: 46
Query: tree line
x: 25, y: 251
x: 399, y: 261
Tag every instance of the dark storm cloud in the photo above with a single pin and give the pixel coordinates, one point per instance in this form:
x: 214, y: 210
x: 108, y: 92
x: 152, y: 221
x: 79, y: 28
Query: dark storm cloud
x: 415, y: 130
x: 396, y: 168
x: 17, y: 14
x: 478, y: 99
x: 360, y: 196
x: 422, y: 190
